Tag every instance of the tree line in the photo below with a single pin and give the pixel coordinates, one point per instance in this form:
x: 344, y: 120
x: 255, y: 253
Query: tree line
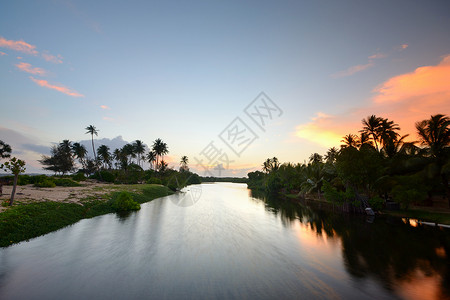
x: 370, y: 168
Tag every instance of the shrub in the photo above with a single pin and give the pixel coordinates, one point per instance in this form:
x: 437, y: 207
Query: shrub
x: 154, y: 180
x: 47, y: 182
x: 79, y: 177
x: 124, y: 202
x: 66, y: 182
x: 376, y: 203
x: 24, y: 180
x: 106, y: 176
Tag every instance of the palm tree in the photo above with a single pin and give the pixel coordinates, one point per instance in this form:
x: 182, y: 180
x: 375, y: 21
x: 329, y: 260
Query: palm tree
x: 160, y: 149
x: 139, y: 149
x: 79, y: 151
x: 315, y: 158
x: 151, y: 158
x: 92, y: 130
x: 267, y: 165
x: 184, y: 163
x: 387, y: 131
x: 371, y: 128
x: 104, y: 155
x: 350, y: 140
x: 128, y: 151
x: 434, y: 133
x: 330, y: 156
x: 275, y: 163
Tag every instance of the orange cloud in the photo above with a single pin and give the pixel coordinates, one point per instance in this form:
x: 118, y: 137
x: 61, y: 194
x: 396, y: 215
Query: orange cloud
x: 104, y: 107
x: 2, y: 53
x: 20, y: 46
x: 405, y: 99
x: 26, y: 67
x: 325, y: 130
x: 51, y: 58
x: 58, y: 88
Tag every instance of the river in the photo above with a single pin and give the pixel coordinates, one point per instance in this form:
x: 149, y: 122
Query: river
x: 227, y: 244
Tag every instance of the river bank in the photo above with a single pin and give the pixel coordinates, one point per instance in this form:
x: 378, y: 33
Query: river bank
x: 38, y: 211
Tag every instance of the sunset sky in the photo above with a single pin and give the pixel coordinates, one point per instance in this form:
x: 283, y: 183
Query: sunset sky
x: 188, y: 71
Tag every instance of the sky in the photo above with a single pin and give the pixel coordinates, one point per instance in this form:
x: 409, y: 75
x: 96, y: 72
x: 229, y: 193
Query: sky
x: 226, y: 83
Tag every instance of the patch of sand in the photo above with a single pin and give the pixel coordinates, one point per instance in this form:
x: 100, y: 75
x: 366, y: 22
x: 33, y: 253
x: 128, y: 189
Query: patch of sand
x: 30, y: 193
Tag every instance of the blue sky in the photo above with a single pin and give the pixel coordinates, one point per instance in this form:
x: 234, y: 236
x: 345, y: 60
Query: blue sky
x: 182, y: 71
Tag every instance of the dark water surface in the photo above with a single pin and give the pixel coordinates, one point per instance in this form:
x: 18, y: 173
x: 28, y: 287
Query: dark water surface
x: 230, y: 245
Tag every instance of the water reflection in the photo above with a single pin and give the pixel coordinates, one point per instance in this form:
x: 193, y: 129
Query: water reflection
x: 407, y: 258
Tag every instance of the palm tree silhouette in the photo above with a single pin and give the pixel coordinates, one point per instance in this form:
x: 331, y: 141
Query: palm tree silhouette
x: 160, y: 149
x: 92, y: 130
x: 184, y: 163
x: 139, y: 149
x: 104, y: 155
x: 372, y: 127
x: 151, y: 158
x: 80, y: 153
x: 350, y: 140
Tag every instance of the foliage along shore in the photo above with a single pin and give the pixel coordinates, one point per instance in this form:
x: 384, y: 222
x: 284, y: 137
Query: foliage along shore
x: 25, y: 221
x: 377, y: 169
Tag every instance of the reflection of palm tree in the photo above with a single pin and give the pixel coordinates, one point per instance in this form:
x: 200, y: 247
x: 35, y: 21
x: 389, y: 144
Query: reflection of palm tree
x: 92, y: 130
x: 139, y: 149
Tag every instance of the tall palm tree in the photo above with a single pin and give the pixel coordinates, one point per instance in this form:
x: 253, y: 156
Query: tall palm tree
x: 371, y: 128
x: 139, y: 149
x: 387, y: 131
x: 267, y: 165
x: 275, y: 163
x: 151, y: 158
x: 160, y: 149
x: 104, y: 155
x: 184, y: 163
x: 128, y: 151
x: 330, y: 156
x: 92, y: 130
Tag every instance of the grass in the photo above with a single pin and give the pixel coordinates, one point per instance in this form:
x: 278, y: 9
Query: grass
x: 26, y: 221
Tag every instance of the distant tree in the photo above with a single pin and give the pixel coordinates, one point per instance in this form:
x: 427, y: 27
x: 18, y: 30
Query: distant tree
x: 315, y: 158
x: 128, y: 151
x: 92, y: 130
x: 160, y: 148
x: 61, y: 159
x: 139, y: 149
x: 330, y: 156
x: 5, y: 150
x: 151, y: 158
x: 104, y: 156
x: 16, y: 166
x: 79, y: 151
x: 184, y: 164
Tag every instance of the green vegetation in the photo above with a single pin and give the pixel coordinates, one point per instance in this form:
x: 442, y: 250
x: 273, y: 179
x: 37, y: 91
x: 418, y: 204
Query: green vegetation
x: 23, y: 222
x: 370, y: 169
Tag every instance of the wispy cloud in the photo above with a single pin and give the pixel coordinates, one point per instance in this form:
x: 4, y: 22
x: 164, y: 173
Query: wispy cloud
x: 20, y: 46
x: 105, y: 107
x: 2, y: 53
x: 108, y: 119
x: 352, y: 70
x: 405, y: 99
x: 59, y: 88
x: 26, y: 67
x: 52, y: 58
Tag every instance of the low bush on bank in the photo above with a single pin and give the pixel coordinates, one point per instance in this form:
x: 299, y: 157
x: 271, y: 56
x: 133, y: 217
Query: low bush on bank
x: 124, y: 202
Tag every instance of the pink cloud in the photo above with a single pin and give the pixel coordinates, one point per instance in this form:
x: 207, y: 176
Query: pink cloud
x: 377, y: 56
x: 2, y: 53
x: 108, y: 119
x: 26, y: 67
x: 20, y: 46
x: 51, y: 58
x: 58, y: 88
x: 104, y: 107
x: 352, y: 70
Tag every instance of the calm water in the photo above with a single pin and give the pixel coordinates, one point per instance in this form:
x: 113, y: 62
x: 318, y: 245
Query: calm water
x: 229, y: 245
